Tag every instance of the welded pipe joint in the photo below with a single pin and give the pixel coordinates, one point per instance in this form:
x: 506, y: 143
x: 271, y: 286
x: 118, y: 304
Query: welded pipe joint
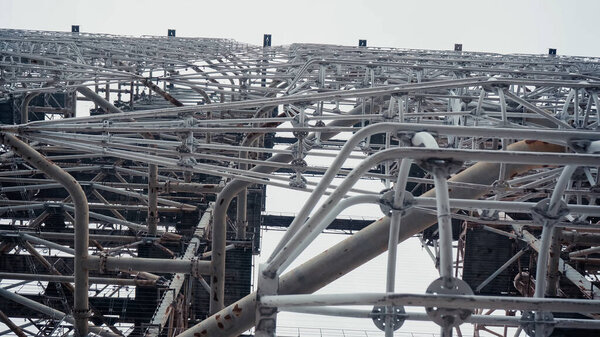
x: 386, y: 202
x: 266, y: 316
x: 540, y: 212
x: 445, y: 167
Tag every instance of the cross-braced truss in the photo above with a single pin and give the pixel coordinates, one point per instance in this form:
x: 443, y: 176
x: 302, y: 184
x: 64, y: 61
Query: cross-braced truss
x: 133, y: 174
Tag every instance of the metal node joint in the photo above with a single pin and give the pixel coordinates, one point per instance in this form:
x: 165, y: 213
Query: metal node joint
x: 380, y: 313
x: 445, y: 167
x: 386, y: 202
x: 448, y: 317
x: 540, y: 212
x: 543, y: 323
x: 266, y: 317
x: 187, y: 162
x: 579, y: 145
x: 82, y: 313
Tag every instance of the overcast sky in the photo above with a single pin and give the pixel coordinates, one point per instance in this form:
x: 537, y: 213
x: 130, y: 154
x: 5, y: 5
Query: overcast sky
x: 506, y: 26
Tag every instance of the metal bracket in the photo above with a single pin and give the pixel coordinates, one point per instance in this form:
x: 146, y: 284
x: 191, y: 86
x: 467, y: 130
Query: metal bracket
x: 266, y: 317
x: 386, y: 202
x: 540, y: 214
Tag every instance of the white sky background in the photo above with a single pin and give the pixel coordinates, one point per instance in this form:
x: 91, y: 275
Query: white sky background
x: 506, y: 26
x: 509, y: 26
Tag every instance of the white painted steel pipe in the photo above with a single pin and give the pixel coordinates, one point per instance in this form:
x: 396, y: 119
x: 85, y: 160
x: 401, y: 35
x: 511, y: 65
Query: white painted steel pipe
x: 490, y: 320
x: 314, y: 232
x: 434, y: 300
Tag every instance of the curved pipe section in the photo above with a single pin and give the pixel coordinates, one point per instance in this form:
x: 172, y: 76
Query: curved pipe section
x: 81, y: 307
x: 25, y: 106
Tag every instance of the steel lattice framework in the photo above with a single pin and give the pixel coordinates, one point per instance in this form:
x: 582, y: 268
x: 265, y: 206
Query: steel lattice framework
x: 133, y: 171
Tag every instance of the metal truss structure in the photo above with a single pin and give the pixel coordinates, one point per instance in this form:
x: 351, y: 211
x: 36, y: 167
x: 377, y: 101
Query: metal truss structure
x: 139, y: 216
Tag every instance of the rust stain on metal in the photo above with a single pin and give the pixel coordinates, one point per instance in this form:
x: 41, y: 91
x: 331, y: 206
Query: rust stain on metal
x: 237, y: 311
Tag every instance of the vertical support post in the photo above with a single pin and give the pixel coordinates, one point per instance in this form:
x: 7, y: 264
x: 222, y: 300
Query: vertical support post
x: 152, y: 199
x: 395, y: 223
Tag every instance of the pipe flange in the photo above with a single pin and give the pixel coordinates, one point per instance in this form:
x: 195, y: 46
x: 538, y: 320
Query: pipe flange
x: 446, y: 317
x: 379, y: 315
x: 386, y: 202
x: 195, y: 268
x: 545, y: 324
x: 540, y: 213
x: 82, y: 313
